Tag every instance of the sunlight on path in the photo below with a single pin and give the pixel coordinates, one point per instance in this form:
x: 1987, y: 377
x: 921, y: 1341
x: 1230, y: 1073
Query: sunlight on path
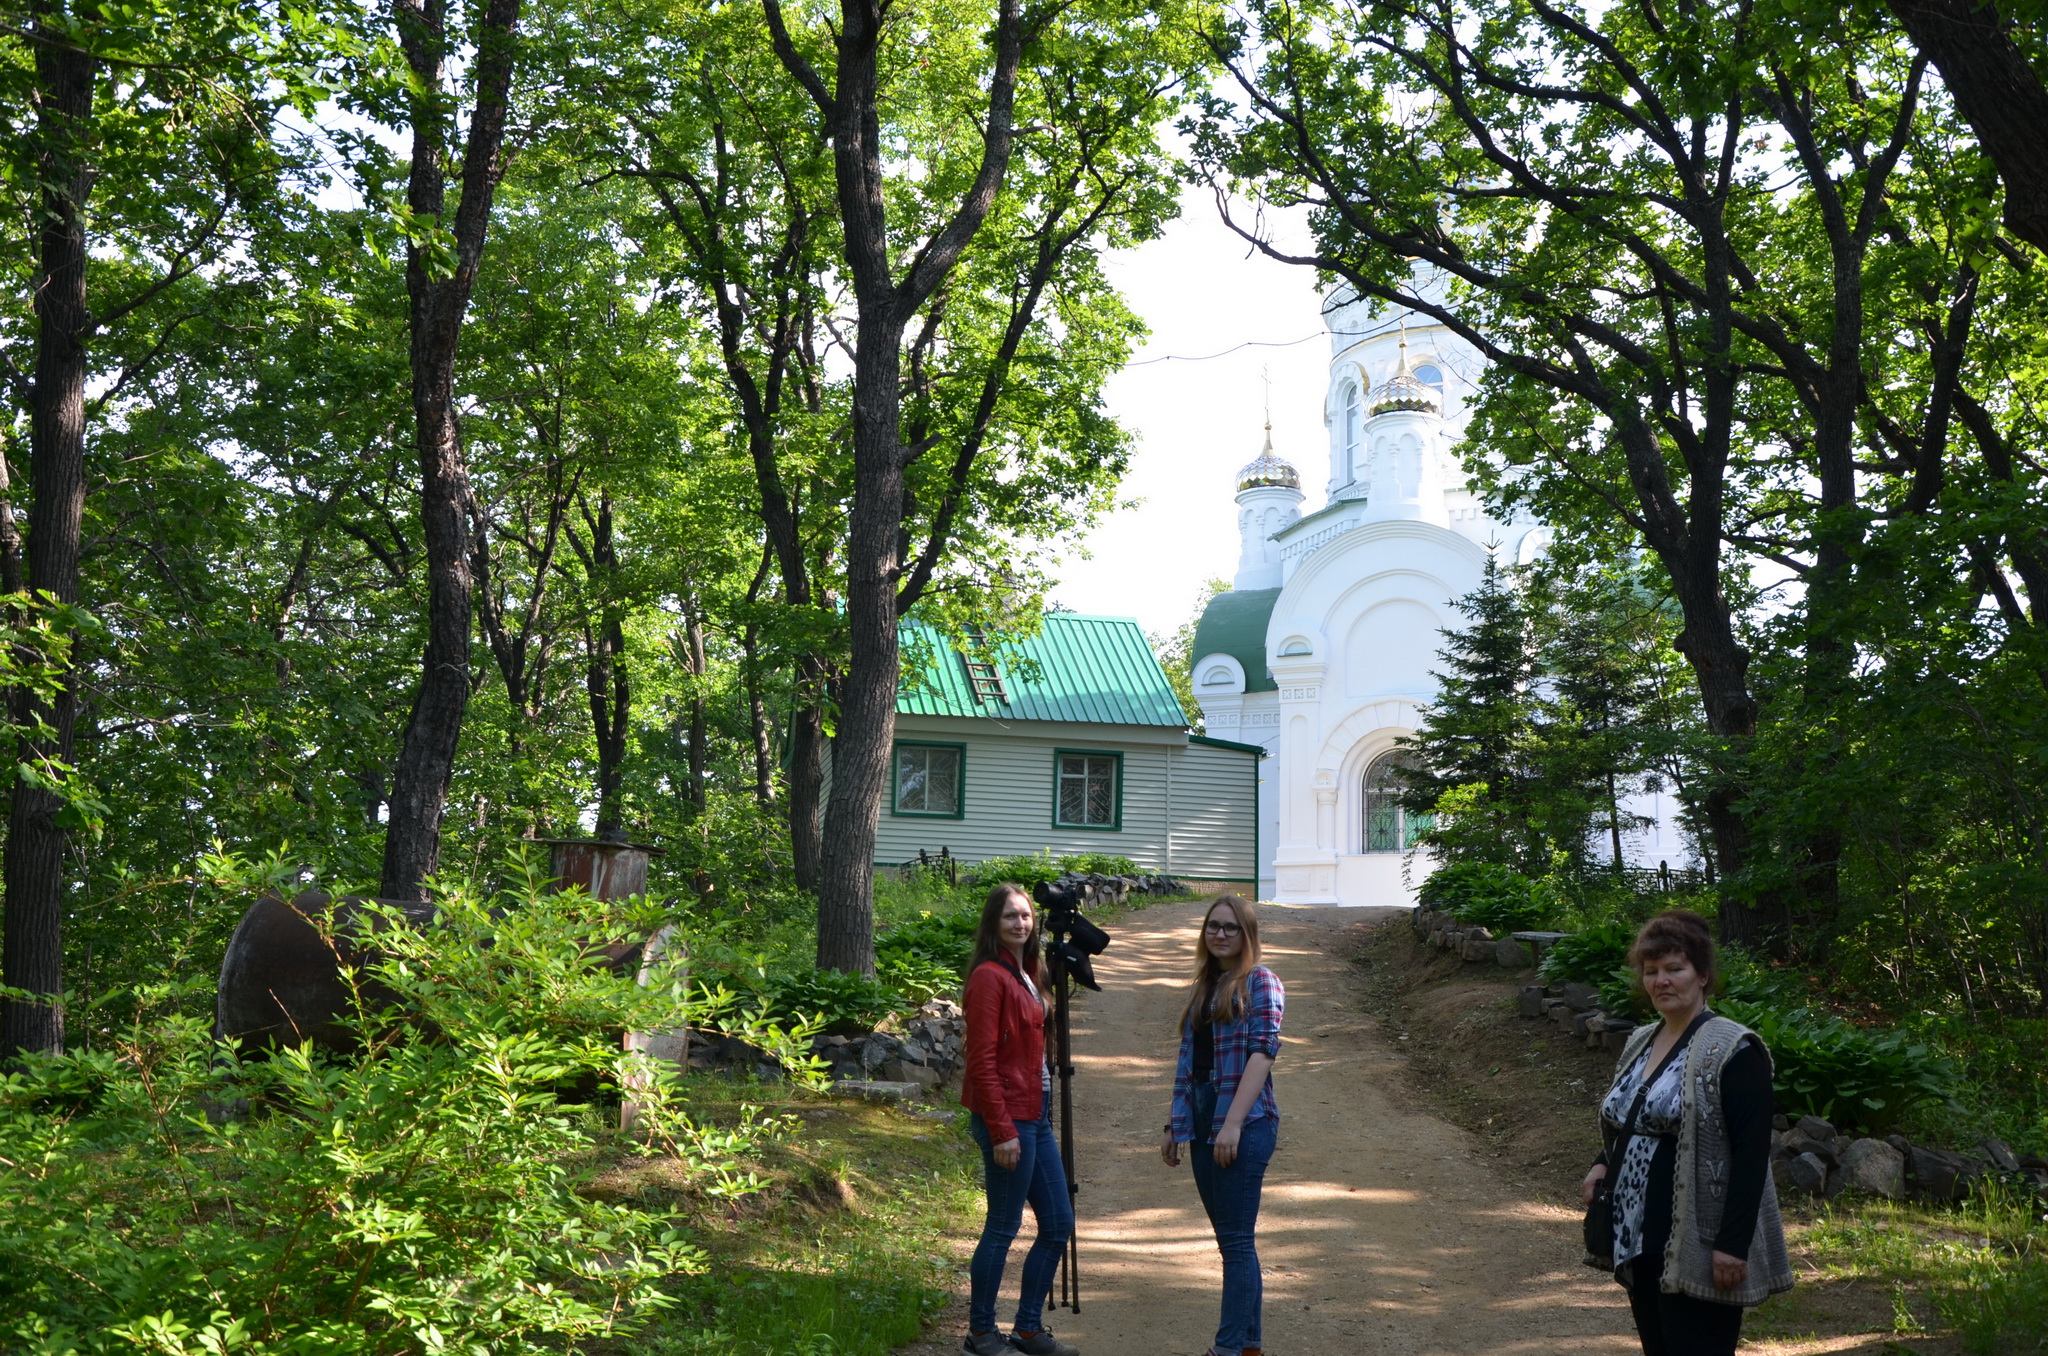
x: 1382, y: 1231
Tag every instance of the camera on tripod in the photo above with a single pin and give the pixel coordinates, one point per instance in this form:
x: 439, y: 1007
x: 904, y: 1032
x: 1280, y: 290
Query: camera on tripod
x: 1070, y: 939
x: 1070, y: 943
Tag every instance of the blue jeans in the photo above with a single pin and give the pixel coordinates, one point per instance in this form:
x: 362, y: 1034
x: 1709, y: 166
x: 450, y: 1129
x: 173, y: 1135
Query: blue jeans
x: 1041, y: 1179
x: 1231, y: 1196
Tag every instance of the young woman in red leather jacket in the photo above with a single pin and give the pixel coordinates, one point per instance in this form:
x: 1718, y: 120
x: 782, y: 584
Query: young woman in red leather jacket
x: 1009, y: 1090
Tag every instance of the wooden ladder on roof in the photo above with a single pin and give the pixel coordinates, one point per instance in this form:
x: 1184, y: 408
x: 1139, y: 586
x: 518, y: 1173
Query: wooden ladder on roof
x: 982, y: 675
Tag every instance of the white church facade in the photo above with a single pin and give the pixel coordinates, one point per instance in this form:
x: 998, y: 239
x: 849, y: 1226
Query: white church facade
x: 1321, y: 652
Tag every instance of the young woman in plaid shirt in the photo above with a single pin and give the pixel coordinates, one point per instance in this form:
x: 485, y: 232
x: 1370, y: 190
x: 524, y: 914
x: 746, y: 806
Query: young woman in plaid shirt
x: 1223, y: 1106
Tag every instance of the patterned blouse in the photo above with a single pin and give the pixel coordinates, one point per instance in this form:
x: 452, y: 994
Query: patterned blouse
x: 1257, y: 1032
x: 1662, y: 1112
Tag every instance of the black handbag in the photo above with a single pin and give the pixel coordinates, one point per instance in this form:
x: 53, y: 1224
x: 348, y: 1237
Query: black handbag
x: 1598, y: 1227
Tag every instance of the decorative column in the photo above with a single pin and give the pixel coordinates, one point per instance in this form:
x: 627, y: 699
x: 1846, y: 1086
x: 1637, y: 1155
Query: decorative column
x: 1326, y: 809
x: 1305, y: 863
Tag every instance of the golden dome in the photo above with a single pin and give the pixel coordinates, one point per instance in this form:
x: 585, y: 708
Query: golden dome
x: 1268, y: 469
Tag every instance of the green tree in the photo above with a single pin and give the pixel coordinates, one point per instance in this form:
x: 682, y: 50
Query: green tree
x: 1177, y: 655
x: 1615, y: 719
x: 855, y: 202
x: 443, y: 253
x: 1689, y: 352
x: 1475, y: 779
x: 139, y: 157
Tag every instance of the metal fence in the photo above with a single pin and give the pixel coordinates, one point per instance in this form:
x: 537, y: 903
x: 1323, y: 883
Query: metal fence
x: 942, y: 864
x: 1662, y: 878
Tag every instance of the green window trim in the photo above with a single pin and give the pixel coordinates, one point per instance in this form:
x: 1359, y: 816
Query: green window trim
x: 1116, y: 822
x: 959, y: 810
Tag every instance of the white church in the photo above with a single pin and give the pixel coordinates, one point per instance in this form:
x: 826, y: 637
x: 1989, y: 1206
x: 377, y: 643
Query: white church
x: 1322, y: 650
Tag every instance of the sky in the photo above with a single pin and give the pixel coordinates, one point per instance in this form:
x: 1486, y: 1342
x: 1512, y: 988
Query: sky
x: 1197, y: 422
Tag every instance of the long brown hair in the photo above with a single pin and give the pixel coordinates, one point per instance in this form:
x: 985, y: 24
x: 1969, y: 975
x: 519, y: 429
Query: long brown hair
x: 988, y: 936
x: 1228, y: 993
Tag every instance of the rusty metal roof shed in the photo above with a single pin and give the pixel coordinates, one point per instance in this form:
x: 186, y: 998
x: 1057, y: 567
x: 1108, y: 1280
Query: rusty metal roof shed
x: 1089, y: 670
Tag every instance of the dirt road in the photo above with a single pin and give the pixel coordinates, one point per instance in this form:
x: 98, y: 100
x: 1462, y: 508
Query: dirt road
x: 1382, y: 1230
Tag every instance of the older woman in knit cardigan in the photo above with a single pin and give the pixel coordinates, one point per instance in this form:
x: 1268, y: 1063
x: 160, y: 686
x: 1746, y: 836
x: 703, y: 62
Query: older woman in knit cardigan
x: 1697, y: 1235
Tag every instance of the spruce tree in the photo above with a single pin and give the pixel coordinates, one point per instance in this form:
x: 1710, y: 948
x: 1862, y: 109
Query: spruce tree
x: 1592, y: 734
x: 1474, y: 743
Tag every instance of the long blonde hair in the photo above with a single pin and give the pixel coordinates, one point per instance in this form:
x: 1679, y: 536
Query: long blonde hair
x: 1229, y: 994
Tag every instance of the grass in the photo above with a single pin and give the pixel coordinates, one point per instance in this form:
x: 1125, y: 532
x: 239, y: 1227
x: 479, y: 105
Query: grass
x: 1979, y: 1269
x: 841, y: 1252
x: 837, y: 1255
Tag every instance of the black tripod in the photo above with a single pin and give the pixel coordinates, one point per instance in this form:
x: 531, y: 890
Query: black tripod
x: 1061, y: 1054
x: 1070, y: 941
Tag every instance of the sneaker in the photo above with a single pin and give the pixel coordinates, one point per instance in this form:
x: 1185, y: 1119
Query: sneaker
x: 985, y: 1344
x: 1042, y: 1343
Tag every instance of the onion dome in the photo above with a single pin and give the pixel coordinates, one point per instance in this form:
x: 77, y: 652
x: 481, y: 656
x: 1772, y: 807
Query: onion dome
x: 1268, y: 469
x: 1403, y: 391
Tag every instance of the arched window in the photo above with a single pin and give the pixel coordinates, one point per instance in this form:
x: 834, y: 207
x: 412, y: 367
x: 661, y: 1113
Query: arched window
x: 1429, y: 374
x: 1354, y: 422
x: 1387, y: 827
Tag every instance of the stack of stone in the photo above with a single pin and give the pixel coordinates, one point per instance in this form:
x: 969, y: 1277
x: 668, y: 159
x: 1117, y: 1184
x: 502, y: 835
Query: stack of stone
x: 1808, y: 1157
x: 709, y: 1050
x: 1576, y: 1009
x: 930, y: 1050
x: 1472, y: 942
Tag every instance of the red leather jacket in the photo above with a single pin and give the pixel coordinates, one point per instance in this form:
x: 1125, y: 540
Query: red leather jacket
x: 1004, y: 1081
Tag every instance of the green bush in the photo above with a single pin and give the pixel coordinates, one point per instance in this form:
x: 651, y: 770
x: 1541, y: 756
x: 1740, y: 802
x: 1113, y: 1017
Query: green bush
x: 1042, y: 866
x: 917, y: 979
x: 902, y: 897
x: 1747, y: 979
x: 1589, y: 956
x: 837, y: 1001
x: 2002, y: 1087
x: 945, y: 939
x: 1487, y: 895
x: 418, y: 1195
x: 1858, y: 1079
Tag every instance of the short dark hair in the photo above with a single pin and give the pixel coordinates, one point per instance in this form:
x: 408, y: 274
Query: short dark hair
x: 988, y: 937
x: 1678, y: 930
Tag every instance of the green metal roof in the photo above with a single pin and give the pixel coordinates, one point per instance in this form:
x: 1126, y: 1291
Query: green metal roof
x: 1216, y: 743
x: 1234, y: 623
x: 1095, y: 670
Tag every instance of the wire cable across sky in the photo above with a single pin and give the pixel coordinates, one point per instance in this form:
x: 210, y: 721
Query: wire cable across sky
x: 1249, y: 343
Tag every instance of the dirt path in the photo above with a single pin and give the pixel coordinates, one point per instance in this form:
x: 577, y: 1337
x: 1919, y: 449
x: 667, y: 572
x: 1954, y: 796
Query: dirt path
x: 1382, y: 1229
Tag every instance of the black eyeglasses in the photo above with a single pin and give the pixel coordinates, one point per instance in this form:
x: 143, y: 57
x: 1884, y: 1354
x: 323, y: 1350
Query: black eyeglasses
x: 1222, y: 929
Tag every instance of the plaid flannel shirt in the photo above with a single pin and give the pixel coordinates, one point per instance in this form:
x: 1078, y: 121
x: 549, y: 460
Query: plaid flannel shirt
x: 1257, y: 1032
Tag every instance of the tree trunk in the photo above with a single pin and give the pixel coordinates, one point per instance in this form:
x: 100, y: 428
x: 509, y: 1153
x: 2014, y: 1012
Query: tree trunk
x: 757, y: 720
x: 36, y: 842
x: 1614, y: 820
x: 875, y: 545
x: 694, y: 663
x: 605, y: 676
x: 807, y: 777
x: 426, y: 758
x: 867, y: 704
x: 1998, y: 92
